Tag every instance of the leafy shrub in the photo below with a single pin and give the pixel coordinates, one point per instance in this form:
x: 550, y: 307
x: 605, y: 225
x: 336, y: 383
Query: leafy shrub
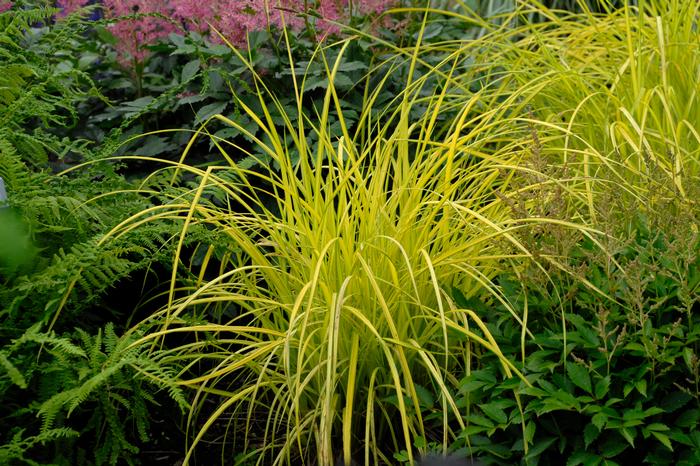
x: 619, y: 386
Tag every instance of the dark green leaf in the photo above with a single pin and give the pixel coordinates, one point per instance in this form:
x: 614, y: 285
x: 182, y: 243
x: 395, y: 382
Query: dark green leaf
x: 579, y: 376
x: 538, y: 448
x: 602, y: 386
x: 674, y: 401
x: 629, y: 433
x: 665, y: 441
x: 210, y: 110
x: 425, y: 397
x: 155, y: 145
x: 530, y: 428
x: 495, y: 413
x: 189, y: 70
x: 599, y: 420
x: 612, y: 446
x: 642, y: 387
x: 140, y: 103
x: 583, y: 458
x: 590, y: 433
x: 481, y: 421
x: 689, y: 418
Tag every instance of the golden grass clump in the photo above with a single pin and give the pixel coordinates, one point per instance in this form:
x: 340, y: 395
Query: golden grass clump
x: 614, y: 96
x: 341, y: 274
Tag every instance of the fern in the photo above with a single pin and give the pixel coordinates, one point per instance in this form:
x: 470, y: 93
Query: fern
x: 65, y: 377
x: 109, y: 373
x: 64, y: 387
x: 34, y: 89
x: 15, y: 450
x: 12, y: 372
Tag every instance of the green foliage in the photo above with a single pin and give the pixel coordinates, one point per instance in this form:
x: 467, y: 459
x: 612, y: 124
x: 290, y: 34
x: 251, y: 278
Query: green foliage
x: 15, y: 247
x: 106, y: 381
x: 37, y: 92
x: 620, y: 384
x: 91, y: 389
x: 609, y: 132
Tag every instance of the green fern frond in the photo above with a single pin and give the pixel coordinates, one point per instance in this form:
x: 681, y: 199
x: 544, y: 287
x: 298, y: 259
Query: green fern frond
x: 55, y: 343
x: 14, y: 451
x: 12, y: 372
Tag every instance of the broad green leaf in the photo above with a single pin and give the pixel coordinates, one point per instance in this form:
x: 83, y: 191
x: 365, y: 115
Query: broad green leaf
x: 425, y: 397
x: 430, y: 31
x: 627, y: 389
x: 629, y: 433
x: 590, y: 433
x: 352, y: 66
x: 420, y: 442
x: 495, y: 413
x: 642, y: 387
x: 155, y: 145
x: 674, y: 401
x: 663, y: 439
x: 342, y: 81
x: 653, y: 411
x: 139, y: 103
x: 210, y: 110
x: 635, y: 347
x: 481, y: 421
x: 612, y: 446
x: 539, y: 447
x: 584, y: 458
x: 658, y: 427
x: 315, y: 82
x: 689, y: 418
x: 602, y: 386
x: 189, y: 70
x: 579, y: 376
x: 599, y: 420
x: 475, y: 429
x: 530, y: 428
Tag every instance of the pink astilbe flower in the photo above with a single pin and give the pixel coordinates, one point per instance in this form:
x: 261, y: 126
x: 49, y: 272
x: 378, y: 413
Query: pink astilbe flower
x: 234, y: 19
x: 134, y: 33
x: 139, y: 31
x: 373, y: 6
x: 5, y: 5
x: 329, y: 11
x: 196, y: 14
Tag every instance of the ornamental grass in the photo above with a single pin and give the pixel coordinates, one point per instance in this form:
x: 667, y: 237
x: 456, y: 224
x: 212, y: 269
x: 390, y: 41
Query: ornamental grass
x: 338, y: 311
